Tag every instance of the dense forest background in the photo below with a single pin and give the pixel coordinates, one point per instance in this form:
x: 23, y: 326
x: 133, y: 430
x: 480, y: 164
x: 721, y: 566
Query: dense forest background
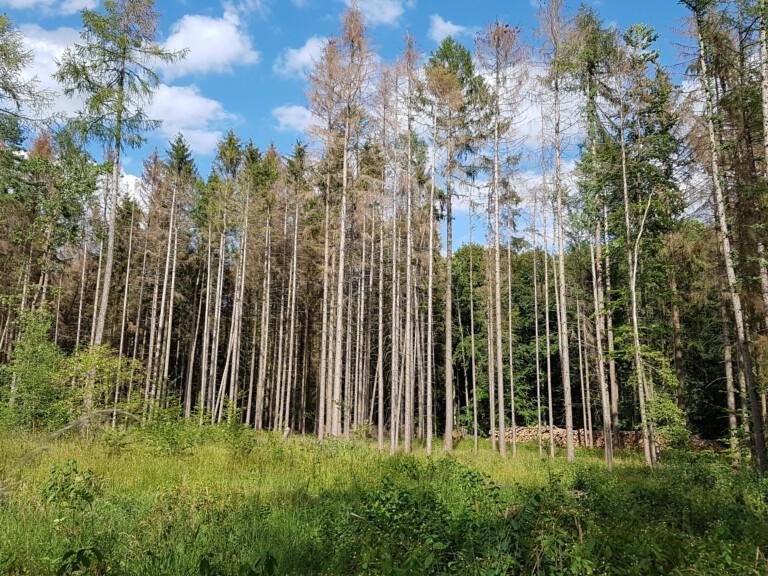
x: 319, y: 288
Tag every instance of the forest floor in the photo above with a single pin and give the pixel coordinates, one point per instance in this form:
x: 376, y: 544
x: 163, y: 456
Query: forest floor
x: 171, y: 499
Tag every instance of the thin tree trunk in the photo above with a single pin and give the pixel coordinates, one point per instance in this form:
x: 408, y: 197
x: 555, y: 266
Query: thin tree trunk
x: 581, y: 372
x: 649, y: 447
x: 114, y: 192
x: 550, y: 410
x: 258, y: 416
x: 204, y: 371
x: 192, y: 353
x: 380, y: 350
x: 597, y: 293
x: 322, y: 381
x: 123, y: 320
x: 510, y: 339
x: 565, y: 366
x: 292, y: 308
x: 730, y: 391
x: 430, y: 286
x: 677, y: 341
x: 96, y: 293
x: 613, y: 380
x: 475, y: 429
x: 82, y: 295
x: 448, y: 435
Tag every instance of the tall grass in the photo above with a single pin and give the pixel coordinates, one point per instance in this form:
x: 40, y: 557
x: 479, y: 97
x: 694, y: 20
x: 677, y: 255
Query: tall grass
x: 176, y: 499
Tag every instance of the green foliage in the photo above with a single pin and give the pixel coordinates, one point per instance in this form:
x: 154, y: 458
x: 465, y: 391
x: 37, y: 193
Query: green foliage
x: 83, y: 561
x: 16, y: 91
x: 95, y: 371
x: 35, y: 399
x: 70, y: 487
x: 169, y: 433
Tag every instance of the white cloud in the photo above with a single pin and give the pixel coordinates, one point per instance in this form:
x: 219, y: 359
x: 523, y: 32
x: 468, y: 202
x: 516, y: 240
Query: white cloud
x: 74, y: 6
x: 50, y: 6
x: 381, y: 11
x: 247, y: 7
x: 296, y: 62
x: 292, y: 118
x: 183, y: 109
x: 215, y: 44
x: 47, y: 46
x: 439, y: 29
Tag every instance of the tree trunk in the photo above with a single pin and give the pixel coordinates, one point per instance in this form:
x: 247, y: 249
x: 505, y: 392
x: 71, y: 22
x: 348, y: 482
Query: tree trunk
x: 605, y: 399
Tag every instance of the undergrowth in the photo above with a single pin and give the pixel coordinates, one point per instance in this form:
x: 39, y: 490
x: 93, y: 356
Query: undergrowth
x: 173, y: 498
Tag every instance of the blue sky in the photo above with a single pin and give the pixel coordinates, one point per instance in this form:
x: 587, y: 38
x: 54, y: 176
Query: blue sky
x: 247, y: 59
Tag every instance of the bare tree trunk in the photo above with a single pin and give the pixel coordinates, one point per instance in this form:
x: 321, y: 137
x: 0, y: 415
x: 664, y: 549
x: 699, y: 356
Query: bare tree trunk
x: 150, y: 380
x: 448, y: 435
x: 204, y: 370
x: 214, y: 368
x: 581, y: 372
x: 562, y: 302
x: 475, y: 430
x: 237, y: 318
x: 597, y: 293
x: 550, y: 410
x: 58, y: 313
x: 511, y: 339
x: 114, y: 191
x: 644, y: 391
x: 536, y: 331
x: 192, y: 353
x: 292, y: 308
x: 322, y: 380
x: 394, y: 414
x: 123, y: 320
x: 339, y: 337
x: 489, y: 301
x: 613, y: 381
x: 677, y: 341
x: 730, y: 391
x: 96, y: 293
x: 82, y: 294
x: 169, y: 331
x: 430, y: 287
x: 258, y: 414
x: 380, y: 351
x: 251, y: 374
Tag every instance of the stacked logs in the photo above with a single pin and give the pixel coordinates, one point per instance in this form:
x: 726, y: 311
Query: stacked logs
x: 627, y: 438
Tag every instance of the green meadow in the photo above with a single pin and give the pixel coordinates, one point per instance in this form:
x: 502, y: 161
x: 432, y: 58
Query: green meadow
x: 173, y: 499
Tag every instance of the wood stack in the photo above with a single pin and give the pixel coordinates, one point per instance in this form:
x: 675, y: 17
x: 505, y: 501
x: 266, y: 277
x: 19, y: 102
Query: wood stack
x: 627, y: 438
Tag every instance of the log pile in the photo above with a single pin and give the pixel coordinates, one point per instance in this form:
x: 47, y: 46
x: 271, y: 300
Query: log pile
x: 627, y: 438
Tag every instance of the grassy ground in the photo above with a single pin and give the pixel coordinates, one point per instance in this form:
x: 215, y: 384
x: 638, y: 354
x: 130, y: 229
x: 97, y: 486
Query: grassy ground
x: 172, y: 500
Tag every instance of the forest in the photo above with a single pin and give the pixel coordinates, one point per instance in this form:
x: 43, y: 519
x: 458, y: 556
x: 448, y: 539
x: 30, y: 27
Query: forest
x: 295, y: 349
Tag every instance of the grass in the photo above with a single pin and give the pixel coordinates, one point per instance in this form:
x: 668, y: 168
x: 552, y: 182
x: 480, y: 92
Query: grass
x: 171, y: 499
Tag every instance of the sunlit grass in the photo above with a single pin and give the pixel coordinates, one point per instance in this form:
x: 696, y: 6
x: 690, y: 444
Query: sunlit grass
x: 170, y: 497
